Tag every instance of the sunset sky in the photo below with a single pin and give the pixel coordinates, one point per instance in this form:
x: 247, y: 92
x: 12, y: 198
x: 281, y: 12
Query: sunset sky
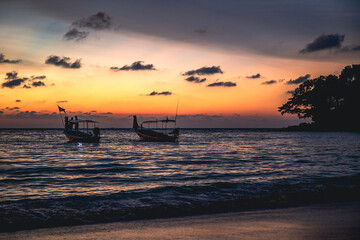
x: 228, y: 63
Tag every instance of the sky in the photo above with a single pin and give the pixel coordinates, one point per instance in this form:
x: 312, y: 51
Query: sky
x: 227, y: 63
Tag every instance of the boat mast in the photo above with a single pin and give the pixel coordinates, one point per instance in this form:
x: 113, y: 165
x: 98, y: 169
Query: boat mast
x: 177, y: 107
x: 62, y: 109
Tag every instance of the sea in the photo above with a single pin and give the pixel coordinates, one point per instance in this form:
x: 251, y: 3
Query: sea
x: 46, y: 181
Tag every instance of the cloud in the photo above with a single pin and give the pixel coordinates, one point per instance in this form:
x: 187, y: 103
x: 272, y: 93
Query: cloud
x: 254, y: 76
x: 324, y: 42
x: 134, y: 67
x: 154, y: 93
x: 18, y: 100
x: 235, y: 26
x: 13, y: 108
x: 1, y: 112
x: 38, y: 84
x: 74, y: 34
x: 11, y: 75
x: 97, y: 21
x: 299, y: 80
x: 269, y: 82
x: 202, y: 29
x: 195, y: 79
x: 28, y: 114
x: 222, y: 84
x: 62, y: 101
x: 4, y: 60
x: 63, y: 62
x: 13, y: 83
x: 38, y: 77
x: 204, y: 71
x: 353, y: 48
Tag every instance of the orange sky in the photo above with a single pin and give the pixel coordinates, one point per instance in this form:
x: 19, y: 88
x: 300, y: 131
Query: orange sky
x: 94, y: 87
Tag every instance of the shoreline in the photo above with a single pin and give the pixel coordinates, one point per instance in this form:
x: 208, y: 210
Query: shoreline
x: 316, y: 221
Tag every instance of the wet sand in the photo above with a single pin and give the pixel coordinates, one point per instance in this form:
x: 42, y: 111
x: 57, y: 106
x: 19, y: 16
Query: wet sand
x: 322, y: 221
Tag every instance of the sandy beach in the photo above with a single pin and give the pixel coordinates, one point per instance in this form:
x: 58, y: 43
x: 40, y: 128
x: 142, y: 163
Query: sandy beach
x: 321, y: 221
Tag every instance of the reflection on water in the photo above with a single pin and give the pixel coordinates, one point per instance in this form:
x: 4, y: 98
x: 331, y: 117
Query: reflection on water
x: 230, y: 168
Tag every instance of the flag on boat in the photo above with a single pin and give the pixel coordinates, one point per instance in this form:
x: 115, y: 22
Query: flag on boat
x: 61, y: 109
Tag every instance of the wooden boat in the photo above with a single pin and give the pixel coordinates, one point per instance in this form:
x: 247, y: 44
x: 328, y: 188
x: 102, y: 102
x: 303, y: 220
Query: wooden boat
x: 163, y: 135
x: 74, y: 134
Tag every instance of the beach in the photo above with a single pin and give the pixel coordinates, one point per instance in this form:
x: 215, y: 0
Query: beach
x: 317, y: 221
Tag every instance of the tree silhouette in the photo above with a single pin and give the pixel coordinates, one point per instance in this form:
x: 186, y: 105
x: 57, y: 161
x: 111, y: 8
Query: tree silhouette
x: 332, y: 102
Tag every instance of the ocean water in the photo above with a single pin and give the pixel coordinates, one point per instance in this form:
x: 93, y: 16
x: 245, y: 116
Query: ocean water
x: 46, y: 181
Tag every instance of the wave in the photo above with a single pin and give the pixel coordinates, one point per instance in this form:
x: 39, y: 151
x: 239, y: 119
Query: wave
x: 174, y: 201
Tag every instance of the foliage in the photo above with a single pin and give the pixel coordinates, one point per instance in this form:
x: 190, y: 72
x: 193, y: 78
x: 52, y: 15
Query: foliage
x: 332, y: 102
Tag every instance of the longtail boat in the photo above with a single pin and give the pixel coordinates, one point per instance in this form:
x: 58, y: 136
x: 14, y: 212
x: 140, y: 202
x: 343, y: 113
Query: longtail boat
x: 159, y: 135
x: 74, y: 133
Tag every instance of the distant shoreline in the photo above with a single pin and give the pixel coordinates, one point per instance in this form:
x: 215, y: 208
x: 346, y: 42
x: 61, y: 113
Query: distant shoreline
x: 296, y: 128
x: 245, y: 129
x: 311, y: 127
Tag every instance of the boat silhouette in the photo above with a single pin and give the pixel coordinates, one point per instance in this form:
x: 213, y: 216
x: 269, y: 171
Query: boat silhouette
x: 159, y: 135
x: 73, y: 132
x: 75, y: 135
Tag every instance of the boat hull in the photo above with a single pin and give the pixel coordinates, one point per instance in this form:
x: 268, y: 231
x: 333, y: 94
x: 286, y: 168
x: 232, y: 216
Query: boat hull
x: 152, y: 136
x: 74, y: 137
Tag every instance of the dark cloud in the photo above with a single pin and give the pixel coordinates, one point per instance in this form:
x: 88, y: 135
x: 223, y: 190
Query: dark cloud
x: 13, y: 108
x: 108, y: 113
x: 353, y: 48
x: 1, y: 112
x: 235, y: 26
x: 18, y: 100
x: 38, y: 84
x: 74, y: 34
x: 154, y: 93
x: 222, y: 84
x: 254, y: 76
x: 50, y: 119
x: 324, y: 42
x: 134, y: 67
x: 11, y: 75
x: 38, y: 77
x: 63, y: 62
x: 204, y: 71
x: 62, y: 101
x: 97, y: 21
x: 269, y: 82
x: 27, y: 114
x: 13, y: 83
x: 4, y: 60
x: 201, y: 30
x: 299, y: 80
x: 195, y: 79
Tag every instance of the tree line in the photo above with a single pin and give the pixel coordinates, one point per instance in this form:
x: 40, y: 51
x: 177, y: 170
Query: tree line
x: 331, y: 102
